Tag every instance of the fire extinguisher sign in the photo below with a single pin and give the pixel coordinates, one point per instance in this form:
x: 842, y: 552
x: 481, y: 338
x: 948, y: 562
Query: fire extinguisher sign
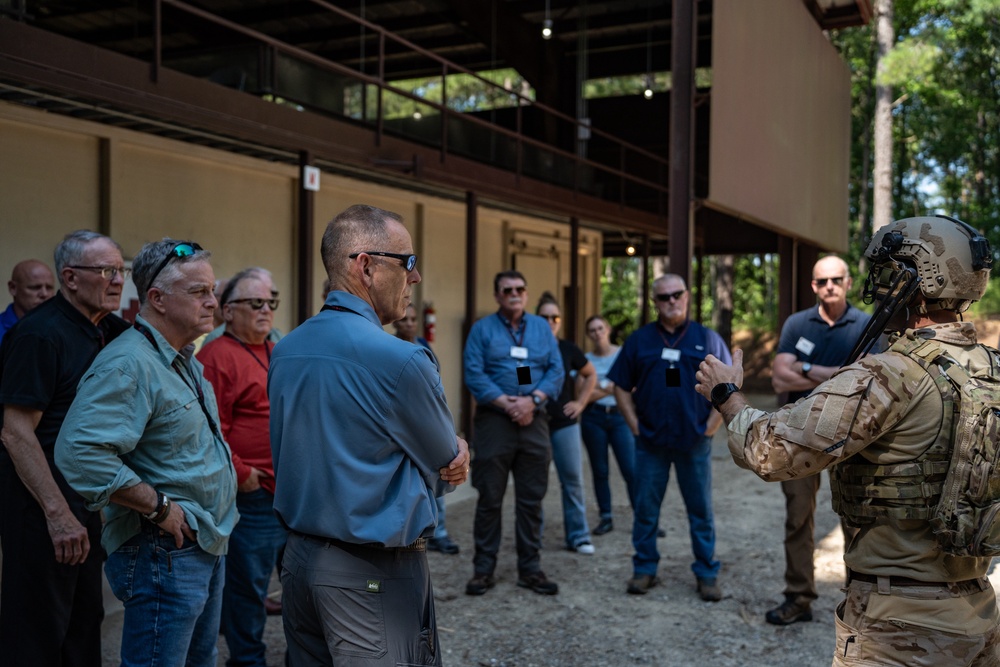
x: 430, y: 320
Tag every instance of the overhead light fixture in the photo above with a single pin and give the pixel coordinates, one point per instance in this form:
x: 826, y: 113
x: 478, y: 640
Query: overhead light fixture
x: 547, y: 23
x: 417, y: 115
x: 630, y: 249
x: 648, y: 91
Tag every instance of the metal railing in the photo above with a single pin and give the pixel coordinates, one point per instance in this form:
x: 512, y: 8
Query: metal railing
x: 526, y: 155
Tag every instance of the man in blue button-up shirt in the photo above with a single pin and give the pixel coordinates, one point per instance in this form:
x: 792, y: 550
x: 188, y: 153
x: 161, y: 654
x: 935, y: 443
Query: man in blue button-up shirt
x: 512, y: 367
x: 363, y: 442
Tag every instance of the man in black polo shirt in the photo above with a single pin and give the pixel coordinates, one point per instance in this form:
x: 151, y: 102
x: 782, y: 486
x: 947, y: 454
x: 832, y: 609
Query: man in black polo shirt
x: 814, y: 345
x: 51, y: 600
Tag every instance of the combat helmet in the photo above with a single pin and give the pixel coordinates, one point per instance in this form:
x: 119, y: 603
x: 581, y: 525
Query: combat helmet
x: 947, y: 260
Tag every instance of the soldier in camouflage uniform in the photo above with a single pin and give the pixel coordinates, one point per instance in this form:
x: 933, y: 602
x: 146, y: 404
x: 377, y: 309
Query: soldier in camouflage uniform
x: 908, y: 602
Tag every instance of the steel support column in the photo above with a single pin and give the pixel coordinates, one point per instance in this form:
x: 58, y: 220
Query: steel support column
x: 571, y: 307
x: 471, y: 268
x: 305, y: 245
x: 681, y: 133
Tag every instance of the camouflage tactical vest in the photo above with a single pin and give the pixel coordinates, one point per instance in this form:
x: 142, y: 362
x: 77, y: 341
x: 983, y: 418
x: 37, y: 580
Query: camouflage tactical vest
x: 955, y: 488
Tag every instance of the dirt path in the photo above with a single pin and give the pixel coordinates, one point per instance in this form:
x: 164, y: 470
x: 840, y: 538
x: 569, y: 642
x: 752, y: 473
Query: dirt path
x: 592, y: 622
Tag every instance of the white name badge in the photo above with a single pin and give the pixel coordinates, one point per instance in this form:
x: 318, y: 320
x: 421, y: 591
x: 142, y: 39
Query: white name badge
x: 518, y: 352
x: 805, y: 346
x: 670, y: 354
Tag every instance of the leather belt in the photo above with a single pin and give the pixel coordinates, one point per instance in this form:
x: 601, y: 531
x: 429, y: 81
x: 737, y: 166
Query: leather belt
x: 419, y: 545
x: 606, y: 409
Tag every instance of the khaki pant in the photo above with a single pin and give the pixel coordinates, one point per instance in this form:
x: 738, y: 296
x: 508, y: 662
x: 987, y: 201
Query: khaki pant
x: 898, y: 628
x: 800, y: 526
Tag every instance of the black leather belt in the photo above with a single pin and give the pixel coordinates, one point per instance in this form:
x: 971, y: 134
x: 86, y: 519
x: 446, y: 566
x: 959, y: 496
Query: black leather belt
x: 419, y: 545
x: 906, y: 581
x: 606, y: 409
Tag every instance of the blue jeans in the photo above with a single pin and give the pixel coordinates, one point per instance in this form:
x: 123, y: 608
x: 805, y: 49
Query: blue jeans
x: 600, y: 429
x: 568, y: 457
x: 694, y: 475
x: 172, y: 598
x: 253, y: 550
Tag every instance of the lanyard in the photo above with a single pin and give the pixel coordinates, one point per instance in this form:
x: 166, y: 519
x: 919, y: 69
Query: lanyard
x: 246, y: 347
x: 662, y: 331
x: 510, y: 330
x: 341, y: 309
x: 197, y: 385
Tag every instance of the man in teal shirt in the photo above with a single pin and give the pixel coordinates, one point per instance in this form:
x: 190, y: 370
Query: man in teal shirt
x: 142, y: 441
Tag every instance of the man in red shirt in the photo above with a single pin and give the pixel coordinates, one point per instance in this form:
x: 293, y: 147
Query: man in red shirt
x: 236, y: 364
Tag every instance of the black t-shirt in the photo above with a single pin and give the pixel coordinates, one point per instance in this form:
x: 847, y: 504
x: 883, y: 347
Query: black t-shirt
x: 42, y: 359
x: 573, y: 360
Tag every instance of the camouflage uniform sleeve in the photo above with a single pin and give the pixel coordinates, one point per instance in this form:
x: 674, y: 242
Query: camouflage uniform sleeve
x: 841, y: 417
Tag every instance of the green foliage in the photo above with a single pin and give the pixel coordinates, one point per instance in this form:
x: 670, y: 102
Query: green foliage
x: 620, y: 295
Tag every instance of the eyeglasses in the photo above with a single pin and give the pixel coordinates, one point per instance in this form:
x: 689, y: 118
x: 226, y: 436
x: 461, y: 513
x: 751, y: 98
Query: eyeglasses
x: 257, y: 304
x: 552, y: 318
x: 821, y: 282
x: 409, y: 261
x: 673, y: 296
x: 182, y: 249
x: 107, y: 272
x: 520, y: 289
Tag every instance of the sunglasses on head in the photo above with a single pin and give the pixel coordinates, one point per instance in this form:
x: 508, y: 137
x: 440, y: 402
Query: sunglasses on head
x: 673, y: 296
x: 182, y: 249
x: 821, y: 282
x: 409, y: 261
x: 507, y: 291
x: 257, y: 304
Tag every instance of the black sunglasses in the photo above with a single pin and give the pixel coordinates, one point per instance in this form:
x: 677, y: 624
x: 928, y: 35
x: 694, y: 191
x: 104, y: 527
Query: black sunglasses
x: 821, y: 282
x: 409, y: 261
x: 182, y: 249
x: 520, y: 289
x: 257, y: 304
x: 673, y: 296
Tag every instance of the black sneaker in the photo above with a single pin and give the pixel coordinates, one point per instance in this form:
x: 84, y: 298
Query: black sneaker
x: 792, y: 610
x: 604, y: 527
x: 442, y: 544
x: 538, y: 582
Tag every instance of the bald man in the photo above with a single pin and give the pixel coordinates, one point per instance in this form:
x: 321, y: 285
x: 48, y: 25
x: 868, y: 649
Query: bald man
x: 31, y: 283
x: 814, y: 344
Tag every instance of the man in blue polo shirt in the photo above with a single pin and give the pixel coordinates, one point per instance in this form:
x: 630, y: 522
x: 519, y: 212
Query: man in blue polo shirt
x: 512, y: 367
x: 673, y: 424
x: 814, y: 345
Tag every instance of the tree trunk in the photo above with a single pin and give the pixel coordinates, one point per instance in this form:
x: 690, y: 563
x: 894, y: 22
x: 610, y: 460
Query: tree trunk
x: 722, y: 319
x: 882, y: 199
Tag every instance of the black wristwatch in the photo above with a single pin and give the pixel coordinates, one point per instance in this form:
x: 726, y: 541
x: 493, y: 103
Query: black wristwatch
x: 806, y: 367
x: 721, y: 393
x: 538, y: 400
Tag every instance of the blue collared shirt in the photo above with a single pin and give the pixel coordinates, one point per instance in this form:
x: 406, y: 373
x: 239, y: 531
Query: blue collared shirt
x: 359, y: 429
x: 490, y: 368
x: 672, y: 417
x: 807, y: 335
x: 137, y: 418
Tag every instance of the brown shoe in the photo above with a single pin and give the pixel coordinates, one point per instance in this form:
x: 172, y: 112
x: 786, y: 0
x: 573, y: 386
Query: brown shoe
x: 479, y: 584
x: 640, y: 584
x: 792, y: 610
x: 709, y: 590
